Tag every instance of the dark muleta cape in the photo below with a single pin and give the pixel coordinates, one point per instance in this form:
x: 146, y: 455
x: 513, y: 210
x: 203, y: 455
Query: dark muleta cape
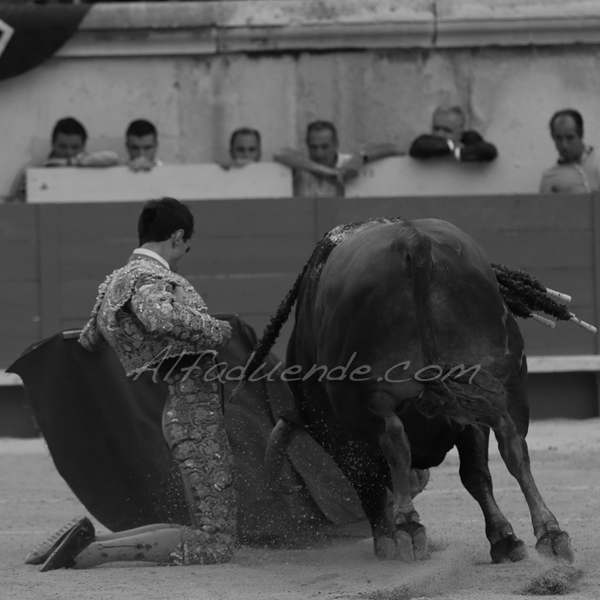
x: 104, y: 433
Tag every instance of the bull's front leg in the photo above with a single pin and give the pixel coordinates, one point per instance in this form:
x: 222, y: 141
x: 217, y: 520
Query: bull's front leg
x: 472, y: 444
x: 408, y: 540
x: 552, y: 542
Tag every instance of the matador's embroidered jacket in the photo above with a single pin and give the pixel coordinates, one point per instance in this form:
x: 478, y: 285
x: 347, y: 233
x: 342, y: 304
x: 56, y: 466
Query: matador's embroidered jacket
x: 146, y: 319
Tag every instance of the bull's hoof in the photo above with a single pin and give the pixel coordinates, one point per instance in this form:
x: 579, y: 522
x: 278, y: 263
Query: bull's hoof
x: 557, y: 546
x: 408, y: 543
x: 509, y: 549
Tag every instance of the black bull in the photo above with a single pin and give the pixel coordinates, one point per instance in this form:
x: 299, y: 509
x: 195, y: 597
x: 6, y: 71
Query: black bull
x: 432, y: 358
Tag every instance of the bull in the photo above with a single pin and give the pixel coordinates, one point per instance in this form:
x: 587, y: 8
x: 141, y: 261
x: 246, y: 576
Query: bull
x: 403, y: 348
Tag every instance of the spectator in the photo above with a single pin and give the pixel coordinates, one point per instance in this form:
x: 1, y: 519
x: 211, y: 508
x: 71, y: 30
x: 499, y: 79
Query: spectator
x: 325, y: 171
x: 141, y: 141
x: 69, y: 138
x: 576, y: 171
x: 448, y: 137
x: 244, y: 146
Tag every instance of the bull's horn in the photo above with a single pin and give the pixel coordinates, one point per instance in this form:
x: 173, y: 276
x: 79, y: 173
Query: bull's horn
x: 558, y: 295
x: 543, y: 321
x: 582, y: 323
x: 279, y: 440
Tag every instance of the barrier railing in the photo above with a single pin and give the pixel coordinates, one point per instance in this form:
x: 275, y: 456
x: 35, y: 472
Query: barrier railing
x: 248, y: 252
x: 390, y: 177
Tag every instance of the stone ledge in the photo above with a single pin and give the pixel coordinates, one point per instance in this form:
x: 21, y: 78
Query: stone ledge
x: 510, y: 23
x: 255, y: 13
x: 205, y: 28
x: 539, y: 32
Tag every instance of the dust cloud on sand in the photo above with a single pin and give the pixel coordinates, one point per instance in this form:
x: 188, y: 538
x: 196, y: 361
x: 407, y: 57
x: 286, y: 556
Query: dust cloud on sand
x: 34, y: 502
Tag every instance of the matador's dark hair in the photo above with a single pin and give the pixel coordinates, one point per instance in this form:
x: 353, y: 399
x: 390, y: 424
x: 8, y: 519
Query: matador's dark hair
x: 160, y: 218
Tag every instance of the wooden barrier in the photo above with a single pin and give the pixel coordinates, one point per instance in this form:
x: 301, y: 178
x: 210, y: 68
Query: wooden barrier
x: 184, y: 182
x: 391, y: 177
x: 405, y: 176
x: 247, y: 253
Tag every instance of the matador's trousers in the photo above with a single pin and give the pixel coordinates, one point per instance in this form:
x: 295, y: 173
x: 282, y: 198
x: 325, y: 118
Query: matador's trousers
x: 194, y: 428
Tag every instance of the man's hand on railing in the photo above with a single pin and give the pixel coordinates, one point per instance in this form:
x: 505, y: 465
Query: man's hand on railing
x: 351, y: 168
x: 141, y: 163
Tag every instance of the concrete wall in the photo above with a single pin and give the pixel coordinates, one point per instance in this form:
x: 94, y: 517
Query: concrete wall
x: 376, y: 68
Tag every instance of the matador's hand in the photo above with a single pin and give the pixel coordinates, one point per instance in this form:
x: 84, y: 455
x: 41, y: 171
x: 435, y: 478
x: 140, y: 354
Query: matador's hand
x: 179, y: 293
x: 226, y: 331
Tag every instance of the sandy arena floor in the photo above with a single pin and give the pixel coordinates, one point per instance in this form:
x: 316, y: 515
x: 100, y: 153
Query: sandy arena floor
x: 34, y: 502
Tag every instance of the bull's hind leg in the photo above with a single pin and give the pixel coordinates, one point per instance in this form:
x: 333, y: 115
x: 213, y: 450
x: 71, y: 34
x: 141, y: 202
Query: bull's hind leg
x: 408, y: 541
x: 551, y: 540
x: 472, y: 444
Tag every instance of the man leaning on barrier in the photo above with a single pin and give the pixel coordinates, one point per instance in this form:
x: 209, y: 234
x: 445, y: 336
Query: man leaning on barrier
x: 245, y: 147
x: 324, y: 172
x: 141, y: 142
x: 448, y: 137
x: 150, y: 315
x: 68, y: 142
x: 577, y: 170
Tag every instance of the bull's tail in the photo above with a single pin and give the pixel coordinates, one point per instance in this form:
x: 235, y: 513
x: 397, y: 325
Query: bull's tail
x: 462, y: 395
x: 314, y: 265
x: 273, y: 328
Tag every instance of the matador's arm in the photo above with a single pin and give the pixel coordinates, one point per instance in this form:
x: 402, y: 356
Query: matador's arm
x: 154, y: 303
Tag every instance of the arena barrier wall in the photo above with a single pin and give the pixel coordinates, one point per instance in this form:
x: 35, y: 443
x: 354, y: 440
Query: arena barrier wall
x: 185, y: 182
x: 247, y: 253
x: 390, y: 177
x: 405, y: 176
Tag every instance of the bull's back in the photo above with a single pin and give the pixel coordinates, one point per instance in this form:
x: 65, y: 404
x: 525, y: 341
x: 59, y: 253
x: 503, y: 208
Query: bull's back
x: 420, y: 291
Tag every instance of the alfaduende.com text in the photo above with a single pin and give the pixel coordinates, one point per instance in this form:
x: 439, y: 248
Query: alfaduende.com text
x: 222, y: 373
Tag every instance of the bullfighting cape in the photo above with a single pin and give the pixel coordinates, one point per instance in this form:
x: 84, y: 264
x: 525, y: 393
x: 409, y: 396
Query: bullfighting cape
x: 104, y: 433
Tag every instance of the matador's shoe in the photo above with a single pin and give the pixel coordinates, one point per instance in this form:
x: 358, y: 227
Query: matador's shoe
x: 79, y: 537
x: 41, y: 552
